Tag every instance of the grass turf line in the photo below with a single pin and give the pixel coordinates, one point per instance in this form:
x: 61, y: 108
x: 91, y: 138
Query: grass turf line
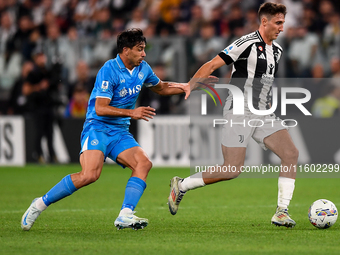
x: 229, y: 217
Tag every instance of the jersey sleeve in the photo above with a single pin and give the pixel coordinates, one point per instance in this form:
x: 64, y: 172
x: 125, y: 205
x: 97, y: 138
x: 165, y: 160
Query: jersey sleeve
x: 232, y: 52
x: 105, y: 83
x: 151, y: 79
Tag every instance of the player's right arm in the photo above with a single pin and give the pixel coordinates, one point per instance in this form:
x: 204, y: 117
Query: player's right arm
x: 103, y: 108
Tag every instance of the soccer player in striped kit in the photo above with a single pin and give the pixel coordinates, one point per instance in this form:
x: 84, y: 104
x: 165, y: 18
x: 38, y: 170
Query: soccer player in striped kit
x: 255, y: 59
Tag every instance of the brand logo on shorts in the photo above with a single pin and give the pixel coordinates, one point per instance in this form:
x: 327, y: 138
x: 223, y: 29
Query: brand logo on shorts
x: 241, y: 138
x: 94, y: 142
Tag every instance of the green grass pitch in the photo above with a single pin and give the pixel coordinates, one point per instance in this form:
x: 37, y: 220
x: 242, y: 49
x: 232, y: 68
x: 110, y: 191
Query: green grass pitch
x: 225, y: 218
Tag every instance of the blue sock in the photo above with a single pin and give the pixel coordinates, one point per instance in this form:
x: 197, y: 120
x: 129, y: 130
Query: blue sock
x: 62, y: 189
x: 133, y: 192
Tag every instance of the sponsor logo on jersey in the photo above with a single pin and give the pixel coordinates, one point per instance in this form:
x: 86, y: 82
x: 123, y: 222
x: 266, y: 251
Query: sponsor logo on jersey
x: 123, y: 92
x: 267, y: 79
x: 105, y: 86
x: 130, y: 91
x: 140, y: 75
x: 271, y: 67
x: 122, y: 81
x: 262, y: 56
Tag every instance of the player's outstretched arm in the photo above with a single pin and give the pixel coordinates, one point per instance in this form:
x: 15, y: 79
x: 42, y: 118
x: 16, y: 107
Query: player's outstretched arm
x: 163, y: 88
x: 174, y: 88
x: 104, y: 109
x: 202, y: 76
x: 201, y: 82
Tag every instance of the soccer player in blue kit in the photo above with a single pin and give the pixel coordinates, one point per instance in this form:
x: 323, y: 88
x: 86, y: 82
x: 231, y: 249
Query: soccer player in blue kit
x: 106, y: 130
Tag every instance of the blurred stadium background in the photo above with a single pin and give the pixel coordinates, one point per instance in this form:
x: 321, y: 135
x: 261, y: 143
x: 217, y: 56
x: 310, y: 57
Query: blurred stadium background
x: 50, y: 52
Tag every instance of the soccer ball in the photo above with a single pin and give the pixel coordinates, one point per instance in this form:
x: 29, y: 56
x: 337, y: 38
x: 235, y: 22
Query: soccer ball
x: 322, y: 213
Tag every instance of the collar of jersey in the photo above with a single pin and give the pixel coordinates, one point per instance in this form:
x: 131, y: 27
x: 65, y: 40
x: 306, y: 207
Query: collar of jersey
x: 120, y: 62
x: 260, y: 36
x: 122, y: 66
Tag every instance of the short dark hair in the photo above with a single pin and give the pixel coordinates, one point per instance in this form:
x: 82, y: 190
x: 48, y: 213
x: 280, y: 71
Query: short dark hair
x: 271, y: 9
x: 130, y: 38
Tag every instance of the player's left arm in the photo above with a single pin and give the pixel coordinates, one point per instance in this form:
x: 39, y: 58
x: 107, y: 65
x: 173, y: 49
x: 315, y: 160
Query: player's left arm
x: 157, y: 85
x: 103, y: 108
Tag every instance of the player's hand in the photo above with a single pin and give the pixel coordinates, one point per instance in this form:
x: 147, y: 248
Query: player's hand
x: 144, y: 113
x: 183, y: 86
x: 194, y: 84
x: 203, y: 82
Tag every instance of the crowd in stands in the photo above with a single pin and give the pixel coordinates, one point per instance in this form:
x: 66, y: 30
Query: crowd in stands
x: 46, y: 69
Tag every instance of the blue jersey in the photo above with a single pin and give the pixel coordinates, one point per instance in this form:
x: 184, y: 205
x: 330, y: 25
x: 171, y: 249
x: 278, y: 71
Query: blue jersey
x: 122, y: 86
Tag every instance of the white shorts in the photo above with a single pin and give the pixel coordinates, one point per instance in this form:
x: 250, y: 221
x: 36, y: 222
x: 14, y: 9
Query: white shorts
x: 240, y: 128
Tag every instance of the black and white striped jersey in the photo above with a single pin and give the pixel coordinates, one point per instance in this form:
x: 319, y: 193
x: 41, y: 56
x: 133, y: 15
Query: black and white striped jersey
x: 254, y: 65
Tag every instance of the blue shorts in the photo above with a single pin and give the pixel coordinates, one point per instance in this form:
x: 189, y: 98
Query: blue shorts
x: 111, y: 140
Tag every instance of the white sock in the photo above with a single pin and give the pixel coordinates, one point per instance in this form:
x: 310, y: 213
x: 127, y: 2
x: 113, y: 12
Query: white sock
x: 285, y: 193
x: 192, y: 182
x: 125, y: 211
x: 40, y: 204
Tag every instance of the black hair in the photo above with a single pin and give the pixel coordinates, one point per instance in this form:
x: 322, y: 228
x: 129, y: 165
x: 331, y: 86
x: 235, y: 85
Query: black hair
x: 271, y: 9
x: 130, y: 38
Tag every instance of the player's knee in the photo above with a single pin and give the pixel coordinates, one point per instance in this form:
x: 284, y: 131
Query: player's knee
x: 231, y: 171
x: 146, y: 164
x: 291, y: 155
x: 89, y: 178
x: 93, y: 178
x: 143, y: 167
x: 234, y: 175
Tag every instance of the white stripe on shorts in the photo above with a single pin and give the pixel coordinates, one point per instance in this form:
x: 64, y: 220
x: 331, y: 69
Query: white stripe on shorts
x: 85, y: 145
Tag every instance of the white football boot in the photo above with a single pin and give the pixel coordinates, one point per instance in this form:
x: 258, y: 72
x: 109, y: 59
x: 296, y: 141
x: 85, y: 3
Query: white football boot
x: 130, y: 221
x: 282, y: 218
x: 175, y: 196
x: 30, y: 216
